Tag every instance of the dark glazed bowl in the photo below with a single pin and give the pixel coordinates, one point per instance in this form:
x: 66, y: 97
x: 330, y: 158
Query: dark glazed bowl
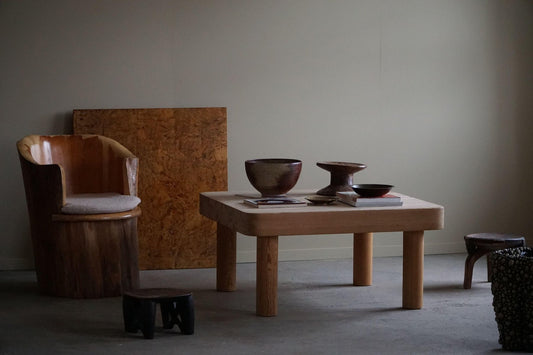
x: 273, y: 177
x: 372, y: 190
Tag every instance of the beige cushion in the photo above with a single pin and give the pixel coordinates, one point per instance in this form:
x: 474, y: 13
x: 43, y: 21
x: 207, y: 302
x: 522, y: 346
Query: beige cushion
x: 99, y: 203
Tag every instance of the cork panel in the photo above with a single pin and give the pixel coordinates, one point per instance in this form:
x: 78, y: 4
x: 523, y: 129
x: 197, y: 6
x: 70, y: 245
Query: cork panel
x: 182, y: 152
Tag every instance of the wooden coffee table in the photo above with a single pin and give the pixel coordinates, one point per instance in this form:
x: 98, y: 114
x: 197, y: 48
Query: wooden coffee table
x: 232, y: 216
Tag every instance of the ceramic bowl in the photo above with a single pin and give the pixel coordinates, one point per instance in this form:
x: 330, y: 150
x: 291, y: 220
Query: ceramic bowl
x: 273, y: 177
x: 371, y: 190
x: 321, y: 200
x: 341, y: 176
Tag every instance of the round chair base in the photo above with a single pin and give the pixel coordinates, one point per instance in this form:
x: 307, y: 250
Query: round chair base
x: 88, y: 256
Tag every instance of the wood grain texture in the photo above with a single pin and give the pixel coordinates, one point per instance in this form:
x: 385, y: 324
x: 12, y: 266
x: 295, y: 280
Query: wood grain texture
x: 89, y: 163
x: 412, y: 218
x: 136, y: 212
x: 98, y: 259
x: 413, y: 270
x: 80, y: 256
x: 182, y: 152
x: 227, y: 208
x: 266, y: 292
x: 226, y: 259
x: 362, y: 259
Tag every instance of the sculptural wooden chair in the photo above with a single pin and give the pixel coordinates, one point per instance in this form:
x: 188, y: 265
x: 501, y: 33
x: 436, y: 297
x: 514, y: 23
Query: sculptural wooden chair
x: 81, y: 197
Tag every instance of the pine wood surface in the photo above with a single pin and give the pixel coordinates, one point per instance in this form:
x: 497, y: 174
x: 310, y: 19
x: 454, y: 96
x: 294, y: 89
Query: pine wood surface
x: 181, y: 151
x: 413, y: 270
x: 232, y: 215
x: 227, y: 263
x: 362, y: 256
x: 267, y: 277
x: 228, y: 209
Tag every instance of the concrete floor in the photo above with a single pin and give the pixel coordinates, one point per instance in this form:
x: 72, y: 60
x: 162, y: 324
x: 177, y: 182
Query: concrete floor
x: 319, y: 313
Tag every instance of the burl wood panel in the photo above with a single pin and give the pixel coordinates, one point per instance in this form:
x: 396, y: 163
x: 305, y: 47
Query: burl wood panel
x: 182, y: 152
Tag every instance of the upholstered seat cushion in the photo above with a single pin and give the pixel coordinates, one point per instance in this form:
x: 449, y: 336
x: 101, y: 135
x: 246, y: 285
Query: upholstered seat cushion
x: 99, y: 203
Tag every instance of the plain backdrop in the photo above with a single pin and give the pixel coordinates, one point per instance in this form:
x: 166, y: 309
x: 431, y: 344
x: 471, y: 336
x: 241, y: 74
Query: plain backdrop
x: 435, y: 97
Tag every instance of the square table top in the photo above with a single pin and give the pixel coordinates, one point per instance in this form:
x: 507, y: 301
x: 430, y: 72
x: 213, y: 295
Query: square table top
x: 228, y: 209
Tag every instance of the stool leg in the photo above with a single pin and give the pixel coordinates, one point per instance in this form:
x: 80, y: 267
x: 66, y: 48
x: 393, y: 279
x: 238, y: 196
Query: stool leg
x: 168, y: 314
x: 469, y: 267
x: 180, y: 312
x: 130, y: 310
x: 185, y: 309
x: 148, y: 318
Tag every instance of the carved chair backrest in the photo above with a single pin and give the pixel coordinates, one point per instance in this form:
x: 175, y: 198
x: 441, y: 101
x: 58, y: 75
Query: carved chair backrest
x: 89, y: 163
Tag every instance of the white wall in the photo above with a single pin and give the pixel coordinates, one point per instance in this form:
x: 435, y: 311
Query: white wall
x: 434, y: 96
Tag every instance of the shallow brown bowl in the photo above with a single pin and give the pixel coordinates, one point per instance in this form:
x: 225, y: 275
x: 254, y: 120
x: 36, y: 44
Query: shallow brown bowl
x: 321, y: 200
x: 273, y: 177
x: 371, y: 190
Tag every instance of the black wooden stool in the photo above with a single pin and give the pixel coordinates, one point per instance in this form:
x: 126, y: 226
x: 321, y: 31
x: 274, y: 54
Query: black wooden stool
x: 480, y: 244
x: 139, y: 308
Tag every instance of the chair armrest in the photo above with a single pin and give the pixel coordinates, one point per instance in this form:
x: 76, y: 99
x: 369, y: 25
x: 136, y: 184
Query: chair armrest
x: 44, y: 186
x: 130, y: 165
x: 130, y: 175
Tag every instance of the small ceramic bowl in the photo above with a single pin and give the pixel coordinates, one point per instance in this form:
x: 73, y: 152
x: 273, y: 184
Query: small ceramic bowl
x: 371, y: 190
x: 320, y: 200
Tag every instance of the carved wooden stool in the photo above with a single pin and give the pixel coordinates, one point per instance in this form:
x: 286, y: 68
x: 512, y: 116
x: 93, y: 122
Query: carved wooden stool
x: 139, y: 308
x: 480, y: 244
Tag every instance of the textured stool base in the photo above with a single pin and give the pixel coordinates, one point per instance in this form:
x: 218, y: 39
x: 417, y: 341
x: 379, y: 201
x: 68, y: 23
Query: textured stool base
x: 139, y: 309
x: 512, y: 287
x: 480, y: 244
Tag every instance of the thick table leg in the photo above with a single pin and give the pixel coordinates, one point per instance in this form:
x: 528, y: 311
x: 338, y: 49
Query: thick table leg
x: 362, y: 259
x: 226, y: 258
x: 267, y: 276
x: 413, y: 270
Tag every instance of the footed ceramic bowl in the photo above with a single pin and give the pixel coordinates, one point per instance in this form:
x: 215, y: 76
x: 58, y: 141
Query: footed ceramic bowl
x: 273, y: 177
